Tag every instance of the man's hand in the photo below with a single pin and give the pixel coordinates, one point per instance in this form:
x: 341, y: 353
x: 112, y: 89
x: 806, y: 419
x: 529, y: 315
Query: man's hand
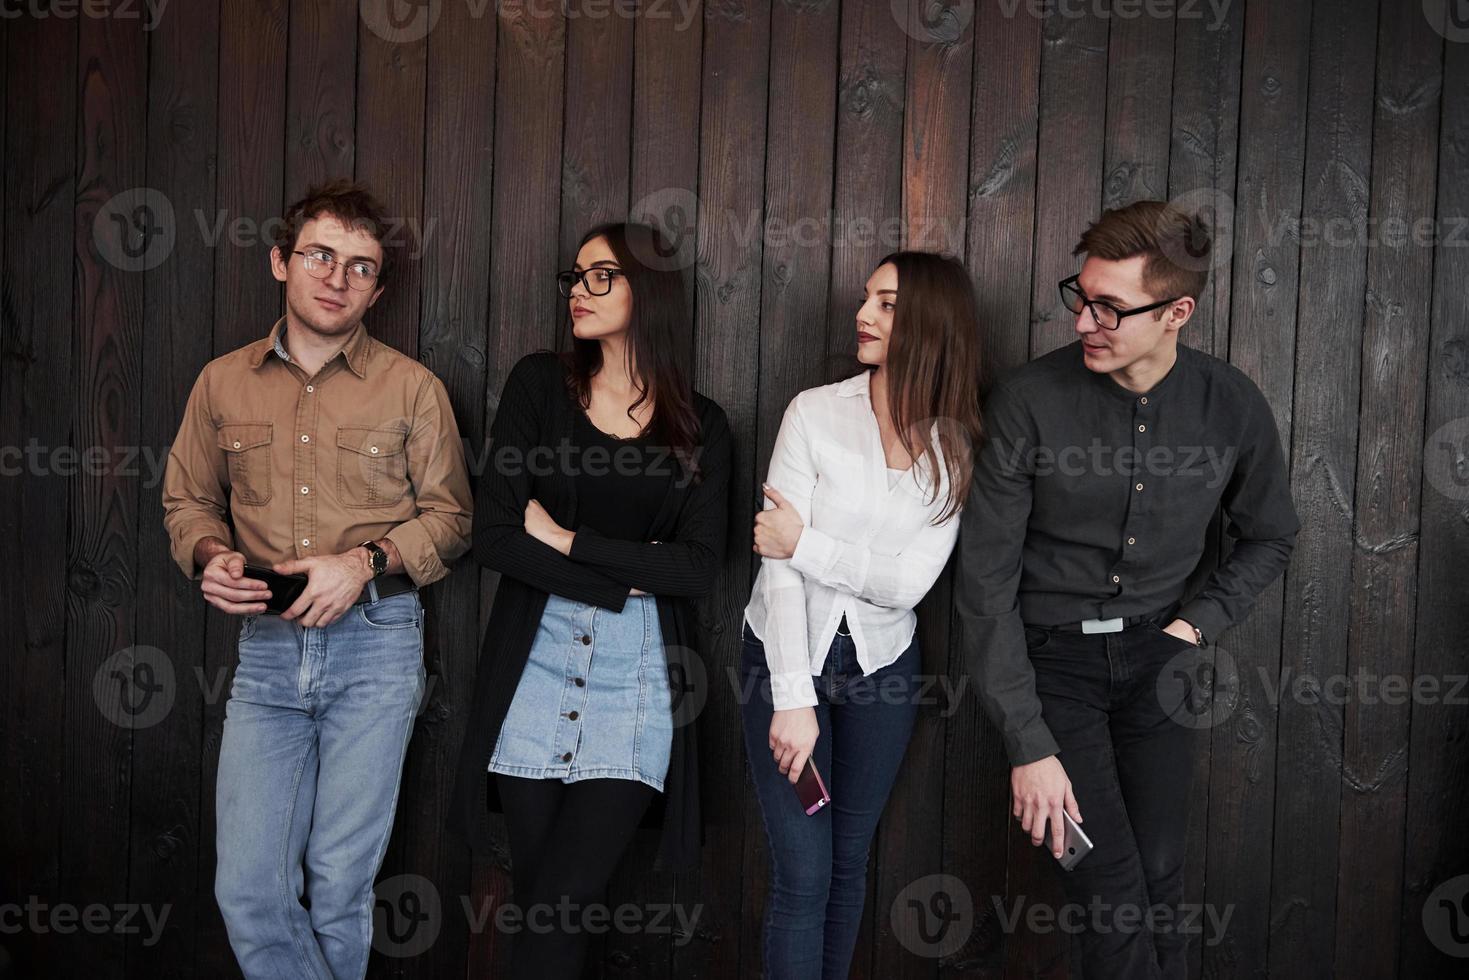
x: 1038, y: 792
x: 333, y: 584
x: 792, y: 737
x: 543, y: 527
x: 225, y: 587
x: 1181, y: 629
x: 777, y: 530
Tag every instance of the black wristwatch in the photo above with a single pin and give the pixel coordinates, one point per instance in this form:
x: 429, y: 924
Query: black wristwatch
x: 376, y: 557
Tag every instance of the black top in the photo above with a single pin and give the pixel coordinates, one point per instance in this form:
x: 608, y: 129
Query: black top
x: 1092, y: 501
x: 620, y: 483
x: 535, y: 418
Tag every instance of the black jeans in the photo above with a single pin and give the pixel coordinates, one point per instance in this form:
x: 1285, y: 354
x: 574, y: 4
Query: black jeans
x: 565, y: 842
x: 1123, y: 709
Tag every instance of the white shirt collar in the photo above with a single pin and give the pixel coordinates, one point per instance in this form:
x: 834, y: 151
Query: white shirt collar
x: 857, y: 384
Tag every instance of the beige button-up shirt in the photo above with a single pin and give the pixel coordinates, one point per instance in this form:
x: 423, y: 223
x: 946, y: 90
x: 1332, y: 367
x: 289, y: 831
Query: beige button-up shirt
x: 366, y: 448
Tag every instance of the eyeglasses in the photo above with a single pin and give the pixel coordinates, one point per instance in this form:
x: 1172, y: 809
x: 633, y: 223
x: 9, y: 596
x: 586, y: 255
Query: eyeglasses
x: 598, y: 281
x: 1108, y: 317
x: 319, y: 265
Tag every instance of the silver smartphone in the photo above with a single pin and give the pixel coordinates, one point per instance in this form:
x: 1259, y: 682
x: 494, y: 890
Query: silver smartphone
x: 1076, y: 844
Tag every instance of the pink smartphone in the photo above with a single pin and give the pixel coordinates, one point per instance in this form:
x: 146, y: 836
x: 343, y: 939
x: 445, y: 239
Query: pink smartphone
x: 810, y: 789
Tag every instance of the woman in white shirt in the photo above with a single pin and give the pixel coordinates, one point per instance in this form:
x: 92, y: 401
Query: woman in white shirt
x: 866, y: 480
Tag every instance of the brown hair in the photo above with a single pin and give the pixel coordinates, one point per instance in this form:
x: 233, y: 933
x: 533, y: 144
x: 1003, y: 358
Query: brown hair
x: 660, y: 346
x: 1175, y: 242
x: 350, y: 203
x: 934, y: 368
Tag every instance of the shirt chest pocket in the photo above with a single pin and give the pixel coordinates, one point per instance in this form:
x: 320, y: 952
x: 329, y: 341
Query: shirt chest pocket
x: 246, y: 447
x: 841, y: 483
x: 372, y: 467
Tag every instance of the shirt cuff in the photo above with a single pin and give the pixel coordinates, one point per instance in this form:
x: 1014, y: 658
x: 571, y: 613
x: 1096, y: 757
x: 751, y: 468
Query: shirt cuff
x: 815, y: 553
x: 1206, y: 616
x: 185, y: 544
x: 1030, y: 744
x: 419, y: 555
x: 794, y: 689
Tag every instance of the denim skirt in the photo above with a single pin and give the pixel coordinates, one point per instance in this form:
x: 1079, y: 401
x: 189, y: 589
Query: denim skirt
x: 593, y: 701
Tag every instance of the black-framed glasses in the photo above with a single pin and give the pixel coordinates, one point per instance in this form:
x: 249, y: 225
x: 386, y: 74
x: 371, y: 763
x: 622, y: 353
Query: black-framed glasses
x: 598, y: 280
x: 319, y: 265
x: 1108, y: 317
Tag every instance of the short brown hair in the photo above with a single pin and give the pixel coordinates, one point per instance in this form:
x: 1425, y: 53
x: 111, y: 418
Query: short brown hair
x: 1175, y: 242
x: 349, y: 202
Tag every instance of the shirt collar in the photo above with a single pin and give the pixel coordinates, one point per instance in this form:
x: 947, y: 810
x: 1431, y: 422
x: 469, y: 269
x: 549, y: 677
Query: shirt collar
x: 1108, y: 384
x: 355, y: 351
x: 857, y: 384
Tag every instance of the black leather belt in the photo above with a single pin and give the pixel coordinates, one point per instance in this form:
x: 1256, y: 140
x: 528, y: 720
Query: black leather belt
x: 387, y: 585
x: 1159, y: 617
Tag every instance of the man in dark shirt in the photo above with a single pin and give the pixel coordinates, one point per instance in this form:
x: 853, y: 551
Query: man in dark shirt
x: 1105, y: 462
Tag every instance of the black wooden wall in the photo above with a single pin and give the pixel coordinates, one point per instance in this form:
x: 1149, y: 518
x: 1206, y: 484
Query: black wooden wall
x: 788, y: 144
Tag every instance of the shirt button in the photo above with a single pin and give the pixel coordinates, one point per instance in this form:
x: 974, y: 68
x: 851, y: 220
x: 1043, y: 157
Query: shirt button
x: 1132, y: 540
x: 306, y: 542
x: 580, y: 682
x: 574, y: 716
x: 308, y: 489
x: 237, y: 444
x: 373, y: 449
x: 586, y: 640
x: 566, y: 757
x: 1139, y: 486
x: 1116, y: 578
x: 311, y: 388
x: 1143, y: 400
x: 1142, y: 428
x: 305, y: 438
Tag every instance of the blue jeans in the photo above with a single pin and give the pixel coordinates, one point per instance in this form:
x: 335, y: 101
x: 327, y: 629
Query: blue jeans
x: 818, y: 864
x: 315, y: 732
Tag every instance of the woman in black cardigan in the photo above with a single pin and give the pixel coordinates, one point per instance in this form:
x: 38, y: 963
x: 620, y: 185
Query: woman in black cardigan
x: 594, y: 565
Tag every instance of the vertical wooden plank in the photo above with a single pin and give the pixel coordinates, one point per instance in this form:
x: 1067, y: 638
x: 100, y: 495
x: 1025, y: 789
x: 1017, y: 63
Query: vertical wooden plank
x: 523, y: 304
x: 732, y: 138
x: 797, y: 241
x: 909, y: 843
x: 459, y: 126
x: 1318, y: 595
x: 1201, y: 179
x: 1069, y: 162
x: 247, y: 300
x: 1069, y: 168
x: 1139, y: 107
x: 175, y: 344
x: 102, y: 537
x: 321, y: 73
x: 1389, y: 480
x: 1002, y: 177
x: 597, y: 144
x: 36, y: 300
x: 390, y: 153
x: 1436, y: 855
x: 1262, y: 340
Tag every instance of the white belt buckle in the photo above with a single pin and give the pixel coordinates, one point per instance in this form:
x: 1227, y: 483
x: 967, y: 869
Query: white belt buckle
x: 1102, y: 625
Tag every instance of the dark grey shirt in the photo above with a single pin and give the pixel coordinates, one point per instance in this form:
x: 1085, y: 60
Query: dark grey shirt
x: 1090, y: 501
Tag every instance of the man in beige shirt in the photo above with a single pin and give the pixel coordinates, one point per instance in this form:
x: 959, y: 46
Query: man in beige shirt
x: 317, y: 451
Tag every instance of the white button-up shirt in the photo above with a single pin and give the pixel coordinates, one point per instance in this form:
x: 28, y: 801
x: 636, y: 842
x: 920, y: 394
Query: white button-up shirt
x: 869, y: 549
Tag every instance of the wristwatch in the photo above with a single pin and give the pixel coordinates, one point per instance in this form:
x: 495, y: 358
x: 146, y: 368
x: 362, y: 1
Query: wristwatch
x: 1198, y: 634
x: 376, y: 557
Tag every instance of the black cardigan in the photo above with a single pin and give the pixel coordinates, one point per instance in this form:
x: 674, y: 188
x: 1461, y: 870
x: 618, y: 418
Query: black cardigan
x: 691, y: 529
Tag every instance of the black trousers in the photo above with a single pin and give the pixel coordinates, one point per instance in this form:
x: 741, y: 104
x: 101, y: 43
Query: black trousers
x: 1125, y: 710
x: 565, y: 842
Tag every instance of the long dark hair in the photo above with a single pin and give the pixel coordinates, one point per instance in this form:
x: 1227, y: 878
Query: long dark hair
x: 934, y: 367
x: 659, y: 340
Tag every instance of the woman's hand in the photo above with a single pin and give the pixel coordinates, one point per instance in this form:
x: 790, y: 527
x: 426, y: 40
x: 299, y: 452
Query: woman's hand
x: 792, y: 737
x: 778, y: 530
x: 541, y: 526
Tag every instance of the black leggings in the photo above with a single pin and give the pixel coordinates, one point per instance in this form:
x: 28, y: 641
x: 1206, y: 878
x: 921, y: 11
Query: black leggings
x: 565, y: 842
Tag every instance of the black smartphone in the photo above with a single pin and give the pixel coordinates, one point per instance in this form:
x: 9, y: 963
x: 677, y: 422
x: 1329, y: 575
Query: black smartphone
x: 284, y: 589
x: 811, y: 790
